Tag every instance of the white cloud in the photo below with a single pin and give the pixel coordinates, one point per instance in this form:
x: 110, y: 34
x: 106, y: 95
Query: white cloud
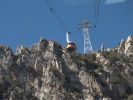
x: 114, y: 1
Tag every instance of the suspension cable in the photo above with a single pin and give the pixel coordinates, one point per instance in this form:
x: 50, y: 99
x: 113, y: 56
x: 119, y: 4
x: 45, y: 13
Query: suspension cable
x: 52, y: 10
x: 97, y: 10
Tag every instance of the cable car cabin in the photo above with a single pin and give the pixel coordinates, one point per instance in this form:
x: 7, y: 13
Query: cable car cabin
x: 70, y: 46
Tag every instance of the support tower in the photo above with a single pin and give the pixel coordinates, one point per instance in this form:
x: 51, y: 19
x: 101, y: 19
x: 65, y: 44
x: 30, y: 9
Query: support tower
x: 85, y: 25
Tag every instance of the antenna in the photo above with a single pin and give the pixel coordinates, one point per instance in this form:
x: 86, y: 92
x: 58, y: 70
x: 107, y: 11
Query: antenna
x: 102, y: 47
x: 85, y: 25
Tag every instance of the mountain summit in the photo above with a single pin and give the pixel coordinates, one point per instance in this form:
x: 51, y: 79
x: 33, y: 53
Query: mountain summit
x: 46, y: 71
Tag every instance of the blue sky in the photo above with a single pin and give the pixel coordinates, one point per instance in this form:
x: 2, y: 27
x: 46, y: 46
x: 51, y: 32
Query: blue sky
x: 23, y: 22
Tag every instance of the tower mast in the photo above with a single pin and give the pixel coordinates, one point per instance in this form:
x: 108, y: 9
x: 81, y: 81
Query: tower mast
x: 85, y: 25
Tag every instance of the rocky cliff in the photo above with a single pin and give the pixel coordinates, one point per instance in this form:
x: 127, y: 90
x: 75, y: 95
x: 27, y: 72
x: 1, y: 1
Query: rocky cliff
x: 46, y: 71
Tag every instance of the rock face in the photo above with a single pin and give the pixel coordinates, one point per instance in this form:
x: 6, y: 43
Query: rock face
x: 126, y: 47
x: 47, y: 72
x: 129, y: 46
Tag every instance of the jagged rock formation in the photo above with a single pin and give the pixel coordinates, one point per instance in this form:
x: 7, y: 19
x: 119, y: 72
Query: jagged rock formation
x: 47, y: 72
x: 126, y: 47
